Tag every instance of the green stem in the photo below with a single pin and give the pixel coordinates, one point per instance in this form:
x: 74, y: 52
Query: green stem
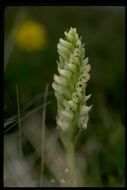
x: 72, y: 165
x: 71, y: 162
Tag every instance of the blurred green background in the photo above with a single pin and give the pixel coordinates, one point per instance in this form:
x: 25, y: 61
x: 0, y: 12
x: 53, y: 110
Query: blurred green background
x: 102, y: 29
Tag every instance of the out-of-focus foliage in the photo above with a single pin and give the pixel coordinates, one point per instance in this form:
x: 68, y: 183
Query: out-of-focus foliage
x: 101, y: 148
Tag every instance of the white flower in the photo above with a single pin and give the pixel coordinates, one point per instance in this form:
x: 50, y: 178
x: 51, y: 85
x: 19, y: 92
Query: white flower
x: 71, y: 81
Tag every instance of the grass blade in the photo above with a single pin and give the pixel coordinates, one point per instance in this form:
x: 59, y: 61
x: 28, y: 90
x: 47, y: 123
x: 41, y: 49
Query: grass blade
x: 19, y: 123
x: 43, y: 134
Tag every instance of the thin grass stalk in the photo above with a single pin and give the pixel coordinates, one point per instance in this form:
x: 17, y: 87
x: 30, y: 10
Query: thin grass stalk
x: 19, y: 123
x: 43, y: 134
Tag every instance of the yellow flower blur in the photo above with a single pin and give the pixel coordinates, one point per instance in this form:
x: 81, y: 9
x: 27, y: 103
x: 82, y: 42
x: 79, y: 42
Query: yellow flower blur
x: 31, y: 36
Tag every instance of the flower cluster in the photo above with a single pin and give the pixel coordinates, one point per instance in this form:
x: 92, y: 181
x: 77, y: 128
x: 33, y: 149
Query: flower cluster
x: 71, y: 81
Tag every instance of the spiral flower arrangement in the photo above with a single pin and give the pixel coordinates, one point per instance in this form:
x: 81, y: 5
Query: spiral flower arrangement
x: 71, y: 81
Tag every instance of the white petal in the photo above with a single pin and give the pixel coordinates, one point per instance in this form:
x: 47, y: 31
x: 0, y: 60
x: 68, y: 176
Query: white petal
x: 72, y: 104
x: 86, y: 60
x: 85, y: 109
x: 80, y: 86
x: 68, y: 36
x: 83, y: 121
x: 66, y: 44
x: 62, y: 124
x: 67, y: 115
x: 64, y: 73
x: 88, y: 67
x: 77, y: 97
x: 87, y: 97
x: 60, y: 80
x: 57, y: 88
x: 84, y: 77
x: 71, y: 67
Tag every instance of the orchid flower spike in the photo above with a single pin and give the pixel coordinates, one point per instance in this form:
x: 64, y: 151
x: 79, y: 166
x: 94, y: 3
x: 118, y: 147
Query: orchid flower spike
x: 71, y: 81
